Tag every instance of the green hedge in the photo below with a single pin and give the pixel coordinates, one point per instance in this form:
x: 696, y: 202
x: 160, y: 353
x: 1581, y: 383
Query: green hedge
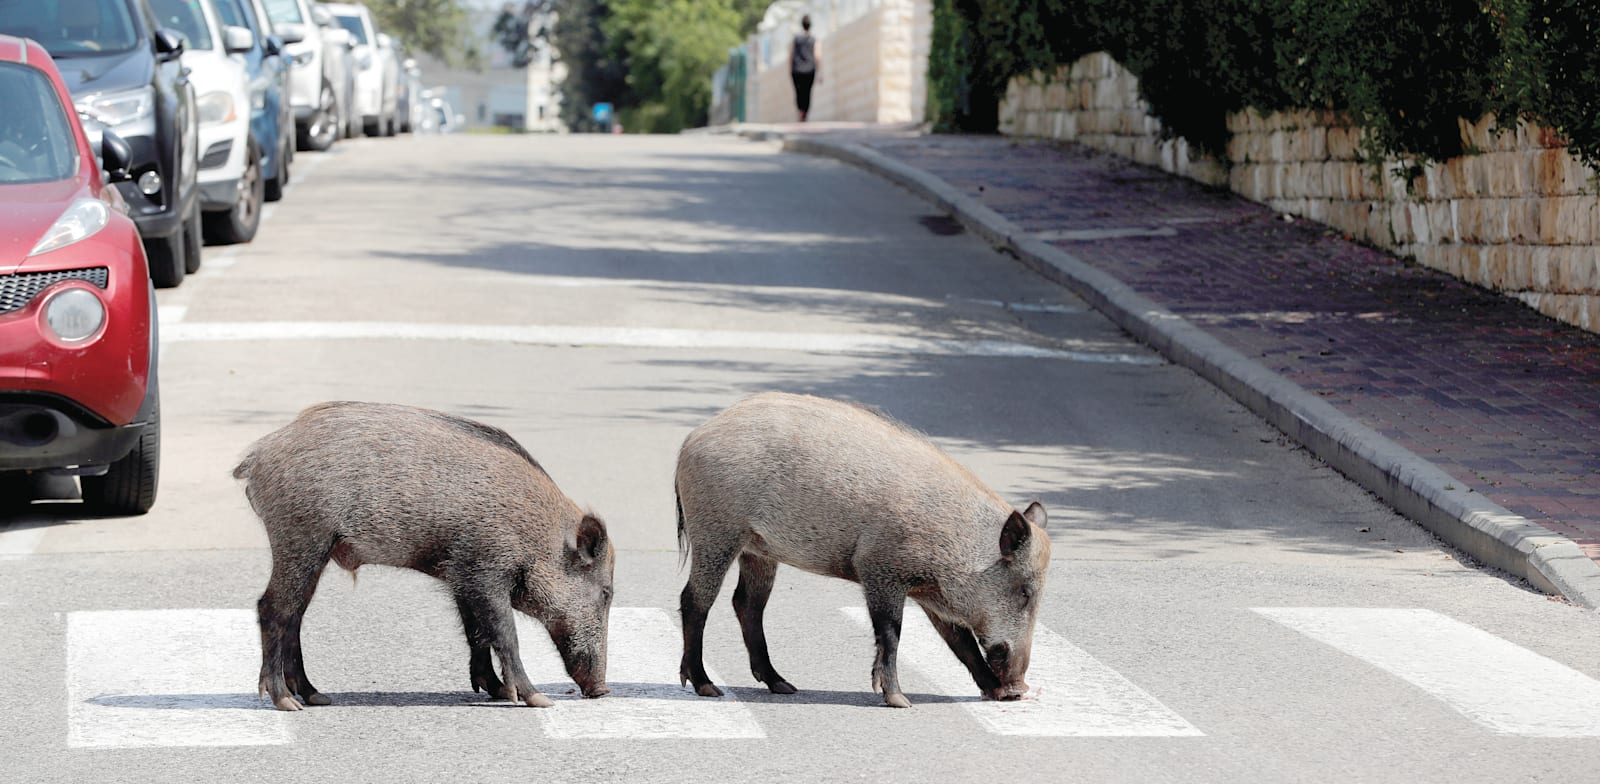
x: 1404, y: 69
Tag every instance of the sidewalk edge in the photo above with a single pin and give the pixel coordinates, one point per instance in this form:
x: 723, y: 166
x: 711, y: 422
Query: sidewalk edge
x: 1413, y: 486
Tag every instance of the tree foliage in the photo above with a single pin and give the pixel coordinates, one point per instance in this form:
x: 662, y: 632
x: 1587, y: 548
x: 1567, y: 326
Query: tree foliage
x: 438, y: 27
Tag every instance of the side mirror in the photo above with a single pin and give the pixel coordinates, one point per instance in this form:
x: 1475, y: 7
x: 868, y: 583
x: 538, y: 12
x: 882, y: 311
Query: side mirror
x: 321, y: 16
x: 169, y: 45
x: 116, y: 156
x: 384, y: 41
x: 237, y: 40
x: 274, y: 46
x: 291, y: 32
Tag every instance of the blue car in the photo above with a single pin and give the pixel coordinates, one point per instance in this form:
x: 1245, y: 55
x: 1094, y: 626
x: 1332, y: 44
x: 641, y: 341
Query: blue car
x: 271, y: 116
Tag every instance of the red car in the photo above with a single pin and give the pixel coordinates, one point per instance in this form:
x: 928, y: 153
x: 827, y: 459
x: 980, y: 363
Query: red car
x: 78, y: 393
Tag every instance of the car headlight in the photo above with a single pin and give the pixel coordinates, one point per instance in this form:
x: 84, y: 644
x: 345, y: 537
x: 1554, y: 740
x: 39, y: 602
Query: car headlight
x: 74, y: 314
x: 80, y: 221
x: 119, y: 108
x: 216, y: 107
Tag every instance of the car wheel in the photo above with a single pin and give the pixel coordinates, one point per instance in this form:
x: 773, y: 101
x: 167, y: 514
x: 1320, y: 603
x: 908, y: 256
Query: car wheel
x: 129, y: 485
x: 239, y: 224
x: 279, y: 180
x: 166, y: 258
x: 16, y: 492
x: 324, y: 128
x: 191, y: 236
x: 391, y: 125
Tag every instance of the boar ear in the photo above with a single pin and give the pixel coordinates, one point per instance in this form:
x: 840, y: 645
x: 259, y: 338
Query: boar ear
x: 1014, y: 535
x: 591, y: 539
x: 1035, y: 514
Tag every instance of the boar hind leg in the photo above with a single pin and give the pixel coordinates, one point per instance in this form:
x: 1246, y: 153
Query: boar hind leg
x: 279, y: 612
x: 886, y: 602
x: 749, y: 603
x: 497, y: 629
x: 480, y: 667
x: 705, y: 580
x: 964, y: 644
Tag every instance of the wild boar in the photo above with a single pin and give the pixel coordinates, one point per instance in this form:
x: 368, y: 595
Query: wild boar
x: 371, y: 483
x: 839, y: 490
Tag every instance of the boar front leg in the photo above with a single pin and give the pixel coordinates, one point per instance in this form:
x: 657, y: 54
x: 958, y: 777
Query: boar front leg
x: 491, y: 608
x: 756, y: 574
x: 964, y: 644
x: 886, y: 602
x: 480, y: 667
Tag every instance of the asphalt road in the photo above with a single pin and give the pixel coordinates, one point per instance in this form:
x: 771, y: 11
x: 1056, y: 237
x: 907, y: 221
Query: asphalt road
x: 1221, y: 607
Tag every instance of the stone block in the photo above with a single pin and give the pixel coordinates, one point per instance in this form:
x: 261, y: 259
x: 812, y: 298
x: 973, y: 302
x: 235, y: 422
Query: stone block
x: 1055, y: 95
x: 1237, y: 122
x: 1523, y: 220
x: 1277, y: 146
x: 1317, y: 210
x: 1399, y: 225
x: 1554, y: 174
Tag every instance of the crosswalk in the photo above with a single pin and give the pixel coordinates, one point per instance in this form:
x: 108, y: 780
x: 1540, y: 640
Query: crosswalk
x: 163, y: 678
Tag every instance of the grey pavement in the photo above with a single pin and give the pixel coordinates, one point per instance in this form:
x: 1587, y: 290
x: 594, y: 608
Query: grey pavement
x: 598, y: 297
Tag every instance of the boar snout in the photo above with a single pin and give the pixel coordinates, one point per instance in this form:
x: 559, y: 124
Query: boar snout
x: 1009, y: 669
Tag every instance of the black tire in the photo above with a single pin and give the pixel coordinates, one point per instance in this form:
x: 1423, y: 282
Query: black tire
x: 323, y: 130
x: 166, y: 259
x: 372, y: 127
x: 391, y: 125
x: 226, y: 227
x: 129, y: 485
x: 16, y: 493
x: 273, y: 189
x: 192, y: 236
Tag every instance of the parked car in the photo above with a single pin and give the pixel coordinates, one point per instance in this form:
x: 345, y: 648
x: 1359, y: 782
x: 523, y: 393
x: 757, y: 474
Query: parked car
x: 124, y: 73
x: 377, y: 69
x: 231, y: 187
x: 271, y: 119
x: 78, y: 391
x: 317, y: 73
x: 408, y: 104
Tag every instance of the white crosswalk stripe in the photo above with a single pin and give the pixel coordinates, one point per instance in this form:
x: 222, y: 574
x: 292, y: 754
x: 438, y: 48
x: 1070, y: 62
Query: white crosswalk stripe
x: 646, y: 700
x: 1496, y: 683
x: 1075, y: 695
x: 142, y: 678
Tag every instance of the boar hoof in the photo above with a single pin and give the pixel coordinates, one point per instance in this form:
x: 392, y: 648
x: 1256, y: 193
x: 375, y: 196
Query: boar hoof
x: 708, y: 690
x: 597, y: 691
x: 534, y: 699
x: 781, y: 687
x: 286, y: 703
x: 896, y: 701
x: 318, y: 698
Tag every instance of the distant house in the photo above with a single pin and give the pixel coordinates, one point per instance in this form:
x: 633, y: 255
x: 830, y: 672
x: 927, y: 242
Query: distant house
x: 501, y: 94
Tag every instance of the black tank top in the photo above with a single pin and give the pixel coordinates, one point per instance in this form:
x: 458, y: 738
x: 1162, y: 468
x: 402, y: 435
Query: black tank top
x: 805, y: 57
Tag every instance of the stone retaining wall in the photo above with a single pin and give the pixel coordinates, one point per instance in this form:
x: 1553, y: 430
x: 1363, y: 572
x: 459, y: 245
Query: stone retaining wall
x: 874, y: 61
x: 1520, y: 215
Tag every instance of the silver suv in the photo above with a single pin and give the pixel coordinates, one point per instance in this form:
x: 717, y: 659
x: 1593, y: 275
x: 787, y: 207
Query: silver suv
x: 321, y: 73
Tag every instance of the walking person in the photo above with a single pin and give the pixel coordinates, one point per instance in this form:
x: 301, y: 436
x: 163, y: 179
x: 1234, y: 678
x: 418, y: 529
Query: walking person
x: 804, y: 62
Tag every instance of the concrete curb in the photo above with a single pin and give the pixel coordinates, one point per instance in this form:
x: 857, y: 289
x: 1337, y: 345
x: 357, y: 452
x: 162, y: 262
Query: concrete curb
x: 1413, y: 486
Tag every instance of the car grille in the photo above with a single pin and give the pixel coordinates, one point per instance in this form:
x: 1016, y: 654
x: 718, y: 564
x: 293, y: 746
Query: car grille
x: 16, y: 291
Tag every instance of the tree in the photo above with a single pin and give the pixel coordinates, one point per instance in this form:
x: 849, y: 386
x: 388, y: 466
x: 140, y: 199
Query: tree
x: 438, y: 27
x: 671, y: 47
x: 594, y: 74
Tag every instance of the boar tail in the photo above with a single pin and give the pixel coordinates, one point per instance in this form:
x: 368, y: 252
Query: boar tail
x: 683, y: 539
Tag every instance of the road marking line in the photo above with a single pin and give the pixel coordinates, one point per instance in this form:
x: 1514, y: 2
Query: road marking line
x: 1074, y: 694
x: 1496, y: 683
x: 646, y: 700
x: 144, y: 678
x: 18, y: 543
x: 631, y: 337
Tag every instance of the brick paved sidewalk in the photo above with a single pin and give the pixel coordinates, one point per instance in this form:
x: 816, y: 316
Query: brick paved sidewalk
x: 1498, y: 396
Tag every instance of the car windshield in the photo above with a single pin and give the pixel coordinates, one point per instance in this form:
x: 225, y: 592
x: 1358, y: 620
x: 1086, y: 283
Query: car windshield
x: 284, y: 11
x: 184, y: 16
x: 36, y: 141
x: 230, y: 13
x: 71, y: 27
x: 357, y: 30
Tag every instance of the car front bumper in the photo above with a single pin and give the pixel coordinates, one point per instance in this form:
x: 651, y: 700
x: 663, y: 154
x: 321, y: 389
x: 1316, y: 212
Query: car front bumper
x: 44, y: 432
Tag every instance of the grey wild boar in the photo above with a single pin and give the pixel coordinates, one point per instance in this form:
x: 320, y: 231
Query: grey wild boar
x: 836, y: 489
x: 370, y: 483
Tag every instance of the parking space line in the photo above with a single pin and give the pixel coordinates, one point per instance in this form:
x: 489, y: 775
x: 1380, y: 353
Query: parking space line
x: 1496, y: 683
x: 635, y: 337
x: 155, y: 678
x: 646, y: 700
x: 1074, y: 695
